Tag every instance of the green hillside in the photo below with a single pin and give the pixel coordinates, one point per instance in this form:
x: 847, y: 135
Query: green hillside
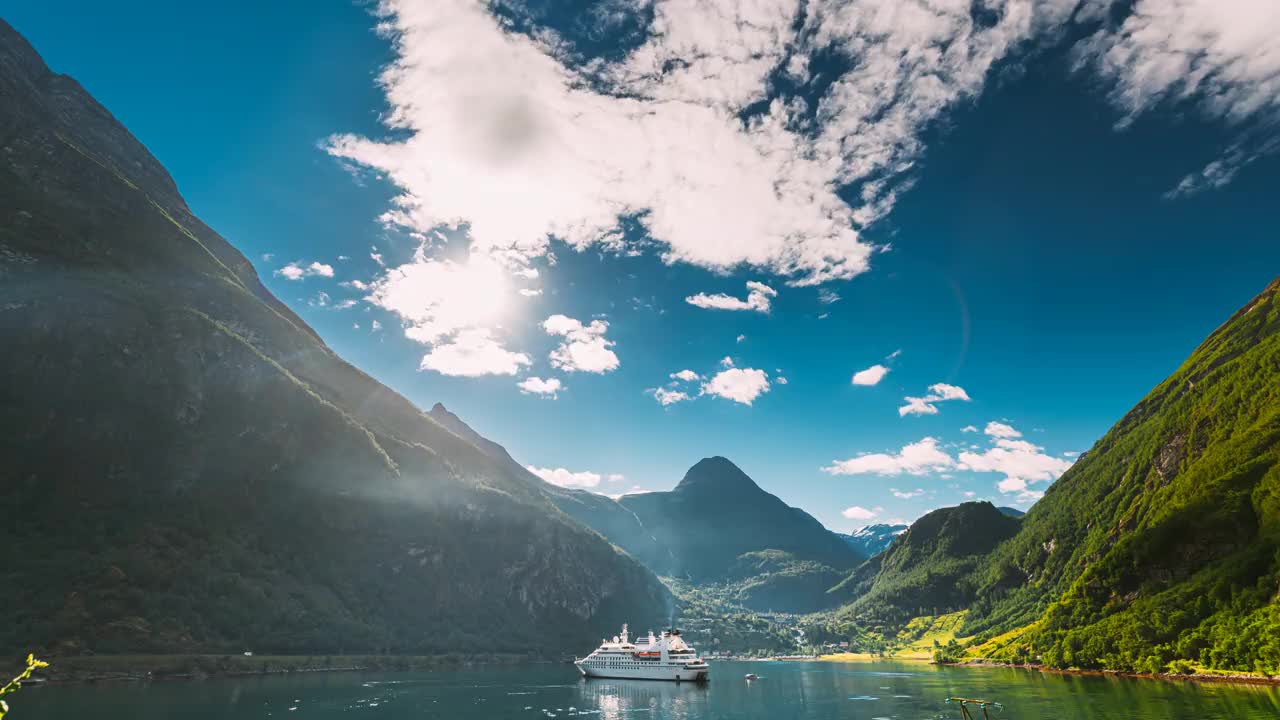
x: 1161, y: 546
x: 188, y: 468
x: 928, y: 570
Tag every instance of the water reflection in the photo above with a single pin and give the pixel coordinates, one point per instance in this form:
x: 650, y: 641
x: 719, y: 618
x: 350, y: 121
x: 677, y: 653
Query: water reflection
x: 804, y: 691
x: 615, y: 699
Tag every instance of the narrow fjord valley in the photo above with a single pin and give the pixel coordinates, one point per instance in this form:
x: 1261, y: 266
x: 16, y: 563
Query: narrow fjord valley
x: 196, y: 482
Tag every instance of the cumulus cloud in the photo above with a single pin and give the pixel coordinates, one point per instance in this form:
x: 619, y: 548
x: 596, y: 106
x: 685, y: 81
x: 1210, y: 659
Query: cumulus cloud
x: 686, y: 375
x: 584, y: 348
x: 666, y: 396
x: 1022, y: 464
x: 741, y: 385
x: 508, y: 134
x: 496, y: 131
x: 938, y: 392
x: 471, y: 353
x: 297, y: 271
x: 453, y: 307
x: 758, y: 299
x: 566, y: 478
x: 1001, y: 430
x: 918, y: 458
x: 871, y: 376
x: 538, y: 386
x: 857, y: 512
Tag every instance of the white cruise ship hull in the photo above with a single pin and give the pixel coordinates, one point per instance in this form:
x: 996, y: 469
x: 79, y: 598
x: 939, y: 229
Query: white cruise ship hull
x: 669, y: 673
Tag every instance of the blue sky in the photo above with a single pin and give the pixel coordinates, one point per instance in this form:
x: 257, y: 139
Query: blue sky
x: 1006, y: 217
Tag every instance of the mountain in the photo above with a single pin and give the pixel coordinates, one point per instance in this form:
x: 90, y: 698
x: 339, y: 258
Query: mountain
x: 1011, y: 512
x: 717, y: 513
x: 1161, y: 545
x: 188, y: 468
x: 873, y: 539
x: 603, y: 514
x: 928, y: 570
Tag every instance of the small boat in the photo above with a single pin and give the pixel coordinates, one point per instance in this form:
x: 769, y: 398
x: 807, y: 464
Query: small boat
x: 662, y: 657
x: 752, y: 676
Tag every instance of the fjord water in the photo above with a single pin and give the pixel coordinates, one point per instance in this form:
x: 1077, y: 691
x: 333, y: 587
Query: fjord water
x: 817, y: 690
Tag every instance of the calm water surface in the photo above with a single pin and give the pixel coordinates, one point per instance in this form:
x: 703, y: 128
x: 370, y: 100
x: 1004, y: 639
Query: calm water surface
x: 820, y: 691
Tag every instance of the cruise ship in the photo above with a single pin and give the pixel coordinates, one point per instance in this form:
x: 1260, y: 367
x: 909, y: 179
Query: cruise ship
x: 663, y: 657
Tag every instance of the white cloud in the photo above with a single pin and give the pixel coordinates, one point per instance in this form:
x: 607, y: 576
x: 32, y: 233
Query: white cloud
x: 471, y: 353
x: 538, y: 386
x: 871, y: 375
x: 858, y: 513
x: 503, y: 136
x: 686, y: 375
x: 530, y: 292
x: 566, y: 478
x: 726, y: 361
x: 1000, y: 430
x: 297, y: 271
x: 741, y: 338
x: 827, y: 297
x: 741, y: 385
x: 584, y: 347
x: 968, y: 429
x: 781, y: 380
x: 669, y: 397
x: 918, y: 458
x: 503, y: 132
x: 1217, y: 56
x: 938, y: 392
x: 758, y: 299
x: 1022, y: 463
x: 452, y: 306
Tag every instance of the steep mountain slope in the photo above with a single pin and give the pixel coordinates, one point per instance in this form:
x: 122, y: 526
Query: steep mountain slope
x: 1163, y: 542
x: 873, y: 539
x: 187, y: 467
x: 603, y: 514
x: 928, y: 570
x: 717, y: 513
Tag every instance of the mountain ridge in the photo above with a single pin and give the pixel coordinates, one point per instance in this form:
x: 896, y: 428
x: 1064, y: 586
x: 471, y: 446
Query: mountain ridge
x: 235, y: 484
x: 742, y: 518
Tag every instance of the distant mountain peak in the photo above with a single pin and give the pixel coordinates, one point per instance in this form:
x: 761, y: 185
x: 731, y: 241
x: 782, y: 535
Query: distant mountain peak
x: 716, y: 473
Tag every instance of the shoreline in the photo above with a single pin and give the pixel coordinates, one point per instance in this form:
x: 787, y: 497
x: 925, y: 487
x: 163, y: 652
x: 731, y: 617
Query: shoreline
x: 146, y: 668
x: 1236, y: 678
x: 1202, y: 677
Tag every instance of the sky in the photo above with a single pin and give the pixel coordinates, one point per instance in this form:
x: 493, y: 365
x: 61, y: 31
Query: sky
x: 885, y: 256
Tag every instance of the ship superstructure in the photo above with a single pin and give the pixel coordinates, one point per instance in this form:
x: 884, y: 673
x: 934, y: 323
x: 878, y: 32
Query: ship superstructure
x: 653, y: 657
